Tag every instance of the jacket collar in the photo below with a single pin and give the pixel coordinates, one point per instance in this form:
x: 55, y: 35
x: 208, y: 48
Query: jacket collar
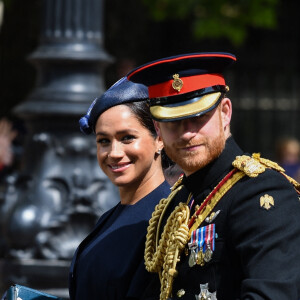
x: 209, y: 176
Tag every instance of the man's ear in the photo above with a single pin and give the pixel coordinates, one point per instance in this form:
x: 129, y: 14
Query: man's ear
x: 157, y: 128
x: 226, y: 112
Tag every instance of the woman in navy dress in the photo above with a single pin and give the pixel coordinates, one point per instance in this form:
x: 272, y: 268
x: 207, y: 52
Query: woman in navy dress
x: 109, y: 263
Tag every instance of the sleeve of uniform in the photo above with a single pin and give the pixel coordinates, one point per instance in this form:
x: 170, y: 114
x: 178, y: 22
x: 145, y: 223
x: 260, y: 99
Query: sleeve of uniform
x: 264, y: 229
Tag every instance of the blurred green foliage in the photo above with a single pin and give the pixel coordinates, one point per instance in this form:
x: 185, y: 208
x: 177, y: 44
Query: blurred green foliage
x: 218, y: 18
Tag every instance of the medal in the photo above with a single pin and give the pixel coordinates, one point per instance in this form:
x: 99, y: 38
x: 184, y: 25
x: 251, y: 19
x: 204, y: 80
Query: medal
x: 202, y: 245
x: 209, y: 242
x: 208, y: 254
x: 193, y: 256
x: 193, y: 248
x: 200, y: 257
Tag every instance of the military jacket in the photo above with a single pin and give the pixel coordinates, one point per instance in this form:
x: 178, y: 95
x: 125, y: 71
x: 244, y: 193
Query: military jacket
x: 256, y: 253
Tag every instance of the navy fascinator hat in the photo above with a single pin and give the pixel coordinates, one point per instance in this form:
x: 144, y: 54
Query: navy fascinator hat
x: 123, y: 91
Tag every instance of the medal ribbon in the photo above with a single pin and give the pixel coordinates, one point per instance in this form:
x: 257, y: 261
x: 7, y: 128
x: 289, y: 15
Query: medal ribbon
x: 202, y: 237
x: 210, y: 237
x: 193, y: 241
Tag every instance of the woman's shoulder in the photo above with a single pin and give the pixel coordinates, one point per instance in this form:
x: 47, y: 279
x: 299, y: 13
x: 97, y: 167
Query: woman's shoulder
x: 149, y: 202
x: 162, y: 191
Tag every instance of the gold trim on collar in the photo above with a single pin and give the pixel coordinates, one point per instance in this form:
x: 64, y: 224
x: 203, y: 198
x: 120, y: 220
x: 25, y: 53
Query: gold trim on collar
x: 215, y: 199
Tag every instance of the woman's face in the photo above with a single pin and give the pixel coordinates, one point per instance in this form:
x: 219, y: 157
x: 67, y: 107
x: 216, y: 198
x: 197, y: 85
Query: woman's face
x: 125, y: 148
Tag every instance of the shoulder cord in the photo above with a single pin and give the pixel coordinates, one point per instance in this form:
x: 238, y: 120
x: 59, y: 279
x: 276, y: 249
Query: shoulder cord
x: 273, y: 165
x: 295, y: 183
x: 165, y: 255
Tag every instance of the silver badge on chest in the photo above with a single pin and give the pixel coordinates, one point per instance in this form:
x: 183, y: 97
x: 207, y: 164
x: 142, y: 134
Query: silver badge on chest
x: 205, y: 294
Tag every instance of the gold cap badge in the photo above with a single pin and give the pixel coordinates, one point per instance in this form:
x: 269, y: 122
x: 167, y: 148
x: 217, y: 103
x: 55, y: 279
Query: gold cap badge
x: 266, y: 201
x: 177, y: 83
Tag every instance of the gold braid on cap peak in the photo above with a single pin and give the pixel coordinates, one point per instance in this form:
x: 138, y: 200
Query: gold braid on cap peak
x: 162, y: 256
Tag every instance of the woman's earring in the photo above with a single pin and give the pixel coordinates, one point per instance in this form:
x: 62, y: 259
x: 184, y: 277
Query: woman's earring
x: 158, y: 151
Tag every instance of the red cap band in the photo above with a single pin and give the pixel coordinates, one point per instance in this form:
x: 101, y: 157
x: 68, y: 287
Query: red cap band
x: 189, y: 84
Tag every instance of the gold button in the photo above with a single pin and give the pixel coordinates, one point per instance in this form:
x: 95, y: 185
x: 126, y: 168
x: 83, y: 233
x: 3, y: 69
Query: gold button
x: 180, y: 293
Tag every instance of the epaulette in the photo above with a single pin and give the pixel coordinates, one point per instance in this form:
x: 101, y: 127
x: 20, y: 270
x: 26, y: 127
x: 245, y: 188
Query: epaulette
x: 255, y: 165
x: 251, y: 166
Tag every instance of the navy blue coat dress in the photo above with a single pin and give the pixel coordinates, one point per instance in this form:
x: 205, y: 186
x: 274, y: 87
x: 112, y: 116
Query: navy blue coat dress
x: 109, y: 263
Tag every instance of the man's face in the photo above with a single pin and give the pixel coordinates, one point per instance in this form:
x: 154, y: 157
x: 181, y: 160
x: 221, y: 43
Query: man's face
x: 194, y: 142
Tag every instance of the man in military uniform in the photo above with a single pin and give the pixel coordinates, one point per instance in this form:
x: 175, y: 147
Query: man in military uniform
x: 230, y: 228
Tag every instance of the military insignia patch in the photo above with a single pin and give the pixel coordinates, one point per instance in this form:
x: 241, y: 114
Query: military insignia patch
x: 212, y: 217
x: 177, y: 84
x: 266, y: 201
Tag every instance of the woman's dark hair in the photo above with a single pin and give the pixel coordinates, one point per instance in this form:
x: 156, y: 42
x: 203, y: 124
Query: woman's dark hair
x: 142, y: 112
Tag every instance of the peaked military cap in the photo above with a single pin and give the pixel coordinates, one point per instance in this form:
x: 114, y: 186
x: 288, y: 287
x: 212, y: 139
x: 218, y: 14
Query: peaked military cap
x: 184, y: 86
x: 123, y: 91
